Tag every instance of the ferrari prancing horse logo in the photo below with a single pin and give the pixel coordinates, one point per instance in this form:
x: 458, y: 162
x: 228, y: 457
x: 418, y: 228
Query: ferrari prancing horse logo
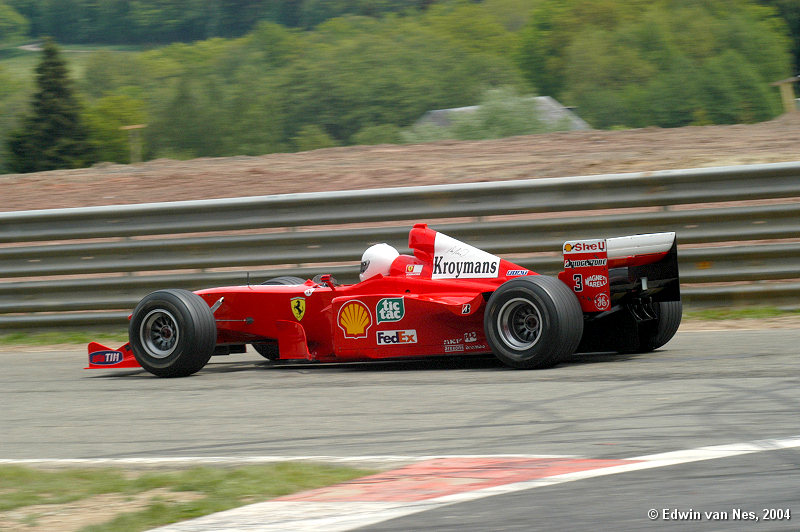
x: 298, y: 305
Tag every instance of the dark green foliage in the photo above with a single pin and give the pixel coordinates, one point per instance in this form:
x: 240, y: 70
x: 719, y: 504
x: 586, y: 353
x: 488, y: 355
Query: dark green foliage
x: 160, y: 21
x: 261, y: 93
x: 53, y: 135
x: 263, y: 76
x: 13, y: 26
x: 501, y: 113
x: 364, y: 73
x: 666, y: 62
x: 790, y: 12
x: 106, y: 118
x: 383, y: 134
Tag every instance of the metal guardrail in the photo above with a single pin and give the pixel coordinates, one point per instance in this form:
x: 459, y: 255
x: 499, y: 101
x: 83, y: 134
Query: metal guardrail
x: 88, y: 267
x: 671, y: 187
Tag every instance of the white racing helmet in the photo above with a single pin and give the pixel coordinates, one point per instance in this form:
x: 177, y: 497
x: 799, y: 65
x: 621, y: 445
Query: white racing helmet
x: 377, y: 260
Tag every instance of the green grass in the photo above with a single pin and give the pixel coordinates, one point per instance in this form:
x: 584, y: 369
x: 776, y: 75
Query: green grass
x: 110, y: 339
x: 217, y: 489
x: 738, y: 313
x: 116, y: 339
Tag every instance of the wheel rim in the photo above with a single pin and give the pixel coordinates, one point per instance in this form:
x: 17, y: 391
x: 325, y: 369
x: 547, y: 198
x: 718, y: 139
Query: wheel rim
x: 159, y: 333
x: 519, y: 324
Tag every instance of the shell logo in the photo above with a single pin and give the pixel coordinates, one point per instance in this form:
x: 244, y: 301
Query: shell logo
x: 354, y: 319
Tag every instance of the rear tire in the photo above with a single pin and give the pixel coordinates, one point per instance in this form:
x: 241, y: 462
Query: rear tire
x: 669, y: 319
x: 172, y: 333
x: 286, y: 280
x: 533, y: 322
x: 268, y: 350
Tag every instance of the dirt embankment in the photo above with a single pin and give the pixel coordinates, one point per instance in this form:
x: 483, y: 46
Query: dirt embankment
x: 525, y: 157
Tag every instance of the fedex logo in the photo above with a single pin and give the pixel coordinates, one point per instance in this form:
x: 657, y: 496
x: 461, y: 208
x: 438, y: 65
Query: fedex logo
x: 397, y: 337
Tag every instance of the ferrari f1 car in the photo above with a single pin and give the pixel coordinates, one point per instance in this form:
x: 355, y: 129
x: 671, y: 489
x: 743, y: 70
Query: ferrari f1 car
x: 616, y: 294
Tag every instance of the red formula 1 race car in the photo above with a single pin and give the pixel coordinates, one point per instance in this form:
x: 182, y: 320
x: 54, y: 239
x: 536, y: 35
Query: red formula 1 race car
x: 617, y: 294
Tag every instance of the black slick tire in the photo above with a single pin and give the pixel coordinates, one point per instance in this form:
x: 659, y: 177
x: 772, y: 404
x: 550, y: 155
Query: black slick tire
x: 669, y: 319
x: 286, y: 280
x: 172, y: 333
x: 533, y: 322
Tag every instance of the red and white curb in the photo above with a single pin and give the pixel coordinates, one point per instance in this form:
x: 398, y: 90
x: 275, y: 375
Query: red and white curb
x: 435, y: 482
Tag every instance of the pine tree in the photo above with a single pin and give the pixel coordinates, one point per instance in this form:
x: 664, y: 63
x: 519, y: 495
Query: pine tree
x: 53, y: 135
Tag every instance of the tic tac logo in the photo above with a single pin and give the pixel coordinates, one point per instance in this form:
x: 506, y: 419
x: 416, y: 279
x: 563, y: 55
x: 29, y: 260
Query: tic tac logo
x: 390, y: 309
x: 397, y: 337
x: 354, y: 319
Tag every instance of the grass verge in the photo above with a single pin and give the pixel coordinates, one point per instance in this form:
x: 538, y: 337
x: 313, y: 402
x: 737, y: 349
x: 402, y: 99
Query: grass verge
x: 148, y: 494
x: 116, y: 339
x: 756, y: 313
x: 111, y: 339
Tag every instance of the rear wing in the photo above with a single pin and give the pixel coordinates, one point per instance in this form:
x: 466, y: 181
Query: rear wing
x: 629, y: 269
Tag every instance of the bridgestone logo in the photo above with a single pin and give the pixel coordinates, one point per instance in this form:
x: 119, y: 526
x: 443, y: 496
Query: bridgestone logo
x: 589, y: 263
x: 456, y: 269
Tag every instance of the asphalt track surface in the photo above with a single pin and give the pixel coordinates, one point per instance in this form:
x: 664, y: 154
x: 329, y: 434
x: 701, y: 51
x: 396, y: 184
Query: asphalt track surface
x: 703, y: 389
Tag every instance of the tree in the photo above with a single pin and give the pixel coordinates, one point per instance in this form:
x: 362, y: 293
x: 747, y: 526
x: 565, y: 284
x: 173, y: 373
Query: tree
x: 502, y: 113
x: 313, y: 137
x: 106, y: 118
x: 382, y: 134
x: 53, y: 135
x: 790, y: 12
x: 12, y: 25
x: 359, y: 72
x: 181, y: 127
x: 13, y: 97
x: 671, y: 63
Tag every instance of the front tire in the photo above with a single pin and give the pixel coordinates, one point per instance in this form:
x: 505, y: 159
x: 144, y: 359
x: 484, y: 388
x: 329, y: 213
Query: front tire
x: 172, y: 333
x: 533, y: 322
